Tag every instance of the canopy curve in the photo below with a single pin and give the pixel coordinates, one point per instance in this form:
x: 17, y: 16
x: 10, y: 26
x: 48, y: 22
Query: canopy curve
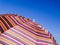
x: 18, y: 30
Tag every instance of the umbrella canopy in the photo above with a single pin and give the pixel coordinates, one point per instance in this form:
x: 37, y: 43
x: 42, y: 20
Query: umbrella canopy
x: 18, y: 30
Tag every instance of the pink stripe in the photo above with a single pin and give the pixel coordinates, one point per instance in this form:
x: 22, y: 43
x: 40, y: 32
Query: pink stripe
x: 23, y: 34
x: 4, y: 40
x: 14, y: 20
x: 12, y: 39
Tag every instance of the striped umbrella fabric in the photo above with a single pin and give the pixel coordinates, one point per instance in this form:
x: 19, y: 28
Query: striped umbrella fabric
x: 18, y: 30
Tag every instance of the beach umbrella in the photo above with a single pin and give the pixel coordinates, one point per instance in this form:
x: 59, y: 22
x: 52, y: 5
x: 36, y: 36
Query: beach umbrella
x: 18, y: 30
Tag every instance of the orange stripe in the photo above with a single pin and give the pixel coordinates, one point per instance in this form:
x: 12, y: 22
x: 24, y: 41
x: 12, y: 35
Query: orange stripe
x: 9, y: 20
x: 6, y: 22
x: 3, y: 25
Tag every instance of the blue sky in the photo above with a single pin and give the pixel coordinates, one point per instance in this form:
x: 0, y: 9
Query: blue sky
x: 45, y: 12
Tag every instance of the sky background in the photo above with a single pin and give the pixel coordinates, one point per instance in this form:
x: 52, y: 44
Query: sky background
x: 45, y: 12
